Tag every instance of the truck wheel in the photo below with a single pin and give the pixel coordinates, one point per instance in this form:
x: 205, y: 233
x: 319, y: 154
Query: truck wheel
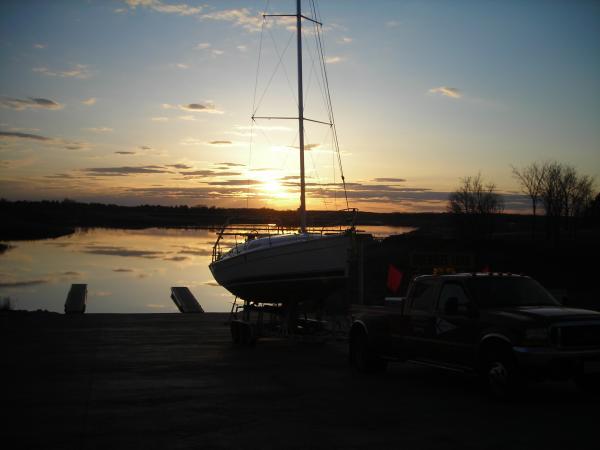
x: 362, y: 356
x: 500, y: 374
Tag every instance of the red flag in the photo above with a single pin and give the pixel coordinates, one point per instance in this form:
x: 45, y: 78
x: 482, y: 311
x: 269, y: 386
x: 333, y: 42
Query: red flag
x: 394, y: 279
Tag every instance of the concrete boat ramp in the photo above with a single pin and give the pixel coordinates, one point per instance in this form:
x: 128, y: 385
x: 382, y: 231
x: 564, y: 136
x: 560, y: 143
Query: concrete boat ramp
x: 175, y: 381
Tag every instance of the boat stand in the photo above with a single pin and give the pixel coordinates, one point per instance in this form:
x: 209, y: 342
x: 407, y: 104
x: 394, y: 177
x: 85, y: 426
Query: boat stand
x: 250, y: 321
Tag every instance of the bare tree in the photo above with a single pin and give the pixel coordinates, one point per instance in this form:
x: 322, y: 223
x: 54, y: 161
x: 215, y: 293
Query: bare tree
x: 565, y: 196
x: 474, y: 204
x: 531, y: 179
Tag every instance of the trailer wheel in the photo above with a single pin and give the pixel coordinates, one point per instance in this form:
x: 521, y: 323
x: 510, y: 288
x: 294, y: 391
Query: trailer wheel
x: 235, y: 332
x: 362, y: 356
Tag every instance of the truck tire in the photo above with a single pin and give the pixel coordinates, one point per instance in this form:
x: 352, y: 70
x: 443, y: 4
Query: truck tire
x: 362, y: 356
x: 500, y: 374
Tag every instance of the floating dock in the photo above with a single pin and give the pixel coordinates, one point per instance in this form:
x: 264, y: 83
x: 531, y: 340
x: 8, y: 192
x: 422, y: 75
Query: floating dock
x: 76, y: 299
x: 185, y: 300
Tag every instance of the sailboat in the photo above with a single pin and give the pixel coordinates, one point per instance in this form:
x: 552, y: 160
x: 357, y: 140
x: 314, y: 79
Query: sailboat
x: 288, y: 268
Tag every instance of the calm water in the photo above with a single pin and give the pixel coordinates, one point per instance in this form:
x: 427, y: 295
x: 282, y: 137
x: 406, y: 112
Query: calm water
x: 127, y: 271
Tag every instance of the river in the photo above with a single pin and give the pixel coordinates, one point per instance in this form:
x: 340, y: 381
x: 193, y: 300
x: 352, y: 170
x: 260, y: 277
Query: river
x: 126, y: 271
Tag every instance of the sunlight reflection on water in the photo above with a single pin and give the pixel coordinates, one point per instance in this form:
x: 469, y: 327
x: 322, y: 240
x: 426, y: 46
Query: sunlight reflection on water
x: 127, y: 271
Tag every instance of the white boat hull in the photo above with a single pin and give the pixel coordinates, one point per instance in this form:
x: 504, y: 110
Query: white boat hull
x: 296, y: 271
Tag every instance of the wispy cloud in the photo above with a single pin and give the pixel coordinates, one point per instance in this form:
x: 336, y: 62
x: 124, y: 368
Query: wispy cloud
x: 159, y: 119
x: 80, y: 71
x: 180, y: 166
x: 240, y: 17
x: 392, y: 24
x: 202, y: 46
x: 345, y: 40
x: 220, y: 142
x: 446, y: 91
x: 18, y: 135
x: 31, y: 102
x: 334, y: 59
x: 125, y: 153
x: 206, y: 107
x: 125, y: 170
x: 181, y: 9
x: 90, y: 101
x: 389, y: 180
x: 55, y: 142
x: 40, y: 46
x: 99, y: 129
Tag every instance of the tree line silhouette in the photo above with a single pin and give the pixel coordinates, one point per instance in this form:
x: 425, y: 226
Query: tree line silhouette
x: 567, y: 197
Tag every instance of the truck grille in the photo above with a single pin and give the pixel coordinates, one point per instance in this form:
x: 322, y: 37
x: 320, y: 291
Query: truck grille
x: 584, y: 335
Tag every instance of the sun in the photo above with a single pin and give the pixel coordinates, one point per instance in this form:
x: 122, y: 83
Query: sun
x: 271, y: 185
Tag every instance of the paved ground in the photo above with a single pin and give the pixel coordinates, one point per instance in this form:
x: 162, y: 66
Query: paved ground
x: 103, y: 381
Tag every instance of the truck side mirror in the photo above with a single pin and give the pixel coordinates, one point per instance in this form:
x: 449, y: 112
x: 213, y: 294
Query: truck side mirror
x: 451, y: 306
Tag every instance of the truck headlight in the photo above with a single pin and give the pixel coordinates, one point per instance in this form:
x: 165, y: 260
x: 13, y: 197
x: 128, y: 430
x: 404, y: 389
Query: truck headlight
x: 536, y: 336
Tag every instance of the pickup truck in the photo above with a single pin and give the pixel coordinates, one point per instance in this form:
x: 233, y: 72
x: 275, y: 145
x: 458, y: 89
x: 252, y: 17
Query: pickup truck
x: 505, y: 328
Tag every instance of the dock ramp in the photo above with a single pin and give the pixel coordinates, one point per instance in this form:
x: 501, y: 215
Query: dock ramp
x: 76, y: 299
x: 185, y: 300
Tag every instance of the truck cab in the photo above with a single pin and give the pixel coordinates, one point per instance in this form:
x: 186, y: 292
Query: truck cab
x: 506, y: 328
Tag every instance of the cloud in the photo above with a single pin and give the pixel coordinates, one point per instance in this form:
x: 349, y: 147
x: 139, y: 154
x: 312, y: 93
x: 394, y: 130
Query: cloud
x: 55, y: 142
x: 220, y: 142
x: 24, y: 283
x: 31, y: 102
x: 99, y: 129
x: 446, y: 91
x: 334, y: 59
x: 90, y: 101
x: 181, y: 9
x: 239, y: 17
x: 202, y: 46
x: 17, y: 135
x: 200, y: 173
x: 40, y: 46
x: 179, y: 166
x: 176, y: 258
x: 392, y: 24
x: 199, y: 107
x: 155, y: 306
x: 207, y: 107
x: 345, y: 40
x: 80, y: 71
x: 231, y: 164
x: 159, y: 119
x: 217, y: 52
x: 121, y: 251
x: 145, y: 147
x: 126, y: 170
x: 242, y: 48
x: 182, y: 66
x: 121, y: 270
x: 389, y: 180
x: 235, y: 183
x: 125, y: 153
x: 195, y: 251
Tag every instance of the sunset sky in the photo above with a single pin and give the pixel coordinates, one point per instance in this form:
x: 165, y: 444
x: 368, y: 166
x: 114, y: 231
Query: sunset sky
x: 149, y: 101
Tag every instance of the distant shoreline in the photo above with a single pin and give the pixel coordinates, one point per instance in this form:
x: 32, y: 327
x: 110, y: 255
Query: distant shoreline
x: 24, y: 220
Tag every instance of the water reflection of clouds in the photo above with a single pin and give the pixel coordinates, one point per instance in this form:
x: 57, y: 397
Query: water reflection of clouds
x: 9, y: 280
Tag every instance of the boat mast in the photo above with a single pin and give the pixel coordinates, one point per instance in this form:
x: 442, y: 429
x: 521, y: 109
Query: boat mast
x: 301, y: 117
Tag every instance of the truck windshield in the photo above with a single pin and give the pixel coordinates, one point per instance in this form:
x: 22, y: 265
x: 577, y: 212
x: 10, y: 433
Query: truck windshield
x: 493, y: 292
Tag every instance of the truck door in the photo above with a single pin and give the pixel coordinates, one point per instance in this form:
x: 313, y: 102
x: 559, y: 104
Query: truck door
x: 456, y: 326
x: 420, y: 319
